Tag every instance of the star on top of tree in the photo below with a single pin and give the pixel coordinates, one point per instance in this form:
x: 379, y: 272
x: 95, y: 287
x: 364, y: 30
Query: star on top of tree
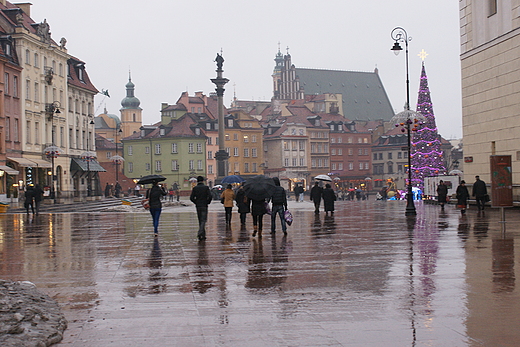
x: 422, y: 54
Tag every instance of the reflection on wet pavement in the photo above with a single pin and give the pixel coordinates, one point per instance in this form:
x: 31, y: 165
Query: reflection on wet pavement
x: 367, y: 276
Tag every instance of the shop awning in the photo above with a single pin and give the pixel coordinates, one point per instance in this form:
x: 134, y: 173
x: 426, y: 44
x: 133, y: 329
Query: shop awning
x: 24, y: 162
x: 42, y: 163
x: 9, y: 170
x: 78, y: 164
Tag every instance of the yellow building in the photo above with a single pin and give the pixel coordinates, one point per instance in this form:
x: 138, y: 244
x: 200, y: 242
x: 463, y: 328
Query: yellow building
x: 244, y: 144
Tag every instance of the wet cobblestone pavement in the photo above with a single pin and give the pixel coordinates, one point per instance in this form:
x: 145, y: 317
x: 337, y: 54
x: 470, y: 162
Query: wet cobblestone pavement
x: 368, y: 276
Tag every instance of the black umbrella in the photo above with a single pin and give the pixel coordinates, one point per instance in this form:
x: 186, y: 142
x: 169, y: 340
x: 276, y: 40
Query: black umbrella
x: 151, y: 179
x: 259, y: 187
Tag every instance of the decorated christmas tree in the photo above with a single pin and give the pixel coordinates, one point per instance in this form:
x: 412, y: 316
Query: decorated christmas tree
x: 427, y: 156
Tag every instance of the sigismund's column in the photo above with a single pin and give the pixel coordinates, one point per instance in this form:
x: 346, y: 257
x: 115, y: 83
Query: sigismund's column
x: 221, y: 156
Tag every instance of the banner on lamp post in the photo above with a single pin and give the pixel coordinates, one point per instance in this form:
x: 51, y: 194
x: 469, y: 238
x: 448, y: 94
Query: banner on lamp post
x: 501, y: 181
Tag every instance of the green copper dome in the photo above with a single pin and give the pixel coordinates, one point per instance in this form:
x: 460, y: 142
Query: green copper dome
x: 130, y: 101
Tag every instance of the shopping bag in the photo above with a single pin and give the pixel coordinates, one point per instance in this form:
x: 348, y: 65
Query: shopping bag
x: 146, y: 204
x: 288, y: 217
x: 267, y: 208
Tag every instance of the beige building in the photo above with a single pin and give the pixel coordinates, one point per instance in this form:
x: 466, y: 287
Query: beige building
x: 490, y: 59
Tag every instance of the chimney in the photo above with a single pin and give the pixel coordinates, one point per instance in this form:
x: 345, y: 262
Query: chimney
x: 25, y: 6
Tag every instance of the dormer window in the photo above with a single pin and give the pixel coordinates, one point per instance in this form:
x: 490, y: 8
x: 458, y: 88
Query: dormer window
x: 143, y: 133
x: 7, y: 49
x: 162, y: 132
x: 208, y: 126
x: 197, y: 131
x: 317, y: 122
x: 230, y: 123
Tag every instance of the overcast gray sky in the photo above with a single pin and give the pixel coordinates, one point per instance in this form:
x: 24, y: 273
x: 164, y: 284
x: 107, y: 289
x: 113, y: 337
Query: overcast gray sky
x: 169, y: 46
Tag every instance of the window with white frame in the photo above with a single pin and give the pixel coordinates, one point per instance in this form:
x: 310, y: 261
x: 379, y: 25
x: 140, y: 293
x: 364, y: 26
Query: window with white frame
x: 340, y: 151
x: 157, y: 148
x: 333, y: 166
x: 7, y: 131
x: 191, y: 165
x: 130, y: 167
x: 147, y: 150
x: 235, y: 151
x: 28, y: 132
x: 294, y: 161
x: 175, y: 165
x: 361, y: 166
x: 199, y: 164
x: 147, y: 166
x: 286, y: 162
x: 199, y: 147
x: 254, y: 152
x: 253, y: 138
x: 302, y: 145
x: 210, y: 155
x: 190, y: 147
x: 333, y: 151
x: 130, y: 150
x: 210, y: 169
x: 313, y: 162
x: 351, y: 166
x: 174, y: 148
x: 158, y: 166
x: 246, y: 167
x: 246, y: 138
x: 320, y: 162
x: 302, y: 162
x: 246, y: 152
x: 340, y: 166
x: 27, y: 56
x: 366, y: 165
x: 254, y: 168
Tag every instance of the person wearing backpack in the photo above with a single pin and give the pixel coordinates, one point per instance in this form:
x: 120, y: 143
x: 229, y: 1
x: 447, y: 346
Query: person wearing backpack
x: 279, y: 202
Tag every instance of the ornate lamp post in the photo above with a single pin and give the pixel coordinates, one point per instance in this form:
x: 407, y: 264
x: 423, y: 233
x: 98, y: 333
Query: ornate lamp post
x: 117, y: 159
x: 222, y: 156
x: 52, y: 151
x: 88, y: 156
x: 400, y: 35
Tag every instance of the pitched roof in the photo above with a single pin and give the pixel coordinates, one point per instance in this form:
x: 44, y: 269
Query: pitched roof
x: 364, y: 96
x: 75, y: 80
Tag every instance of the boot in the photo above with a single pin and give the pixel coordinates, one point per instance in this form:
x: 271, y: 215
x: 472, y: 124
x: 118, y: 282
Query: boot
x: 255, y: 230
x: 259, y: 233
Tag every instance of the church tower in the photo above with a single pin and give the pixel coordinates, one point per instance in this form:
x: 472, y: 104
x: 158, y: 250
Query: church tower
x: 131, y: 113
x: 277, y: 74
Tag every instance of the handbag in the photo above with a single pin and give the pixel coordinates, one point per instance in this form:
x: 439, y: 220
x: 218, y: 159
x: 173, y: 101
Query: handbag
x: 267, y: 208
x: 221, y: 200
x: 146, y: 204
x: 486, y: 198
x: 288, y: 217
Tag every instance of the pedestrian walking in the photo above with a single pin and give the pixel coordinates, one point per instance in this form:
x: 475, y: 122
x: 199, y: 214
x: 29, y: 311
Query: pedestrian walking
x: 316, y: 194
x: 479, y: 191
x: 29, y: 199
x: 201, y: 197
x: 137, y: 189
x: 299, y: 190
x: 171, y: 193
x: 229, y: 197
x: 257, y: 211
x: 462, y: 196
x: 154, y: 196
x: 279, y: 205
x: 243, y: 204
x: 38, y: 197
x: 117, y: 190
x: 176, y: 190
x: 442, y: 193
x: 328, y: 199
x: 107, y: 190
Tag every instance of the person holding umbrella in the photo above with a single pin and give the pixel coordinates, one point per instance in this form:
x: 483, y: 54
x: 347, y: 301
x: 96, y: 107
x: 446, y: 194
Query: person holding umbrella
x: 154, y: 196
x: 329, y: 196
x: 229, y: 196
x: 243, y: 204
x: 259, y: 188
x: 201, y: 197
x: 279, y: 200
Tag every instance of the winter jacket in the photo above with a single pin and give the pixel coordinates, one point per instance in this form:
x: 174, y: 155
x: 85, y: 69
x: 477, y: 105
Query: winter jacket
x: 229, y: 197
x: 201, y: 195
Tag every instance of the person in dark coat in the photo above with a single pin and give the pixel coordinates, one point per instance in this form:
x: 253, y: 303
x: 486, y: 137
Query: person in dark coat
x: 29, y: 199
x: 316, y: 193
x: 154, y: 196
x: 279, y: 201
x: 243, y: 204
x: 462, y: 196
x: 38, y: 197
x: 107, y: 190
x: 201, y: 197
x: 479, y: 191
x: 328, y: 199
x: 442, y: 193
x: 257, y: 211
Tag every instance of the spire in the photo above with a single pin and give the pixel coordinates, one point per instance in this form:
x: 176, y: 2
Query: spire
x: 130, y: 101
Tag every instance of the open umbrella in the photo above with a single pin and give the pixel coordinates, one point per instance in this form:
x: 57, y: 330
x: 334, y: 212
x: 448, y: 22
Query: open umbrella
x: 323, y: 178
x: 259, y: 187
x: 232, y: 179
x: 151, y: 179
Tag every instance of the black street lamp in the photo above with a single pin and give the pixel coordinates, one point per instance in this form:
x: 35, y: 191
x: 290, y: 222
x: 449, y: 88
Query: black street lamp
x: 52, y: 151
x: 88, y: 156
x: 117, y: 159
x: 400, y: 35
